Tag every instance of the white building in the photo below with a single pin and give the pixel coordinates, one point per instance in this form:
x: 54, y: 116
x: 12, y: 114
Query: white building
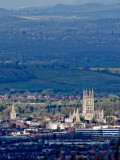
x: 58, y: 125
x: 68, y: 120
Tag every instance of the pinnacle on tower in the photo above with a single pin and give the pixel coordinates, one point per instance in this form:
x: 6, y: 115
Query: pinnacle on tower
x: 77, y: 115
x: 74, y: 113
x: 92, y: 92
x: 83, y: 92
x: 89, y: 92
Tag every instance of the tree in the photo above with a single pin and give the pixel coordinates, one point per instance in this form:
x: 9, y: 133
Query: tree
x: 82, y: 119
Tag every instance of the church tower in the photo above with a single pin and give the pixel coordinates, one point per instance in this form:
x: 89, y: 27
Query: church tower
x: 88, y: 104
x: 13, y: 113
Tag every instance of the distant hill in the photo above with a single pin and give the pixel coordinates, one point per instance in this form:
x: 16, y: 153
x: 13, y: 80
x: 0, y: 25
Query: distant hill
x: 82, y: 7
x: 16, y: 4
x: 66, y: 7
x: 72, y: 10
x: 78, y: 2
x: 3, y: 11
x: 65, y: 10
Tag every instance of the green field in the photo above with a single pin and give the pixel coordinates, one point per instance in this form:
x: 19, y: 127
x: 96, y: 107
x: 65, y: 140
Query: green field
x: 69, y: 81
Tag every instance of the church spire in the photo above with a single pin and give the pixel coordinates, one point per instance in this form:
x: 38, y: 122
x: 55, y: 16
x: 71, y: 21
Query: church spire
x: 13, y: 113
x: 102, y: 113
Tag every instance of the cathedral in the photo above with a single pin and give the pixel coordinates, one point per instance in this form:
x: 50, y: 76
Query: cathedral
x: 13, y: 113
x: 88, y: 111
x: 88, y: 108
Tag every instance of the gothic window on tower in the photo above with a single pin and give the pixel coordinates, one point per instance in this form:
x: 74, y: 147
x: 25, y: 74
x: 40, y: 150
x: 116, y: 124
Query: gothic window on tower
x: 91, y: 102
x: 87, y: 102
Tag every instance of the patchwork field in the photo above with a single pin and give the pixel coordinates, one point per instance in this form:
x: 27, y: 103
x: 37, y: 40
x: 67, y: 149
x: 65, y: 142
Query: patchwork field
x: 70, y: 81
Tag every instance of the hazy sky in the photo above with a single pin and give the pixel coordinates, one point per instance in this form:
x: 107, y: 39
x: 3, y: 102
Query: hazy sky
x: 15, y: 4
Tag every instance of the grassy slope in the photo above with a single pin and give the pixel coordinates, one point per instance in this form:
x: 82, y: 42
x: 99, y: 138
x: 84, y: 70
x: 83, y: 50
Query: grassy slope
x: 69, y: 81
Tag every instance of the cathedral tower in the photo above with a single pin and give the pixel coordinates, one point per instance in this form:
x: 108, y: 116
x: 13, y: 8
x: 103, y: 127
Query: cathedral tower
x: 88, y: 104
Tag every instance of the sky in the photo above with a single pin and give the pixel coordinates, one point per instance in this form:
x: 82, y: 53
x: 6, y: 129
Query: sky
x: 16, y: 4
